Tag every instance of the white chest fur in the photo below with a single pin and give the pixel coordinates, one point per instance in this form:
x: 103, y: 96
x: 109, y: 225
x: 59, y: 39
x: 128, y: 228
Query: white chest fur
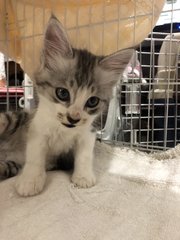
x: 47, y: 127
x: 61, y: 140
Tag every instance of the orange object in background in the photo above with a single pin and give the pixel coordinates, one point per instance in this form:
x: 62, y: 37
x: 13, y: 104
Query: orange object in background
x: 101, y: 26
x: 2, y: 82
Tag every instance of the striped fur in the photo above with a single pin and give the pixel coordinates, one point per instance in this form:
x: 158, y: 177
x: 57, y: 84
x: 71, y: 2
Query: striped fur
x: 9, y: 169
x: 13, y: 131
x: 10, y: 122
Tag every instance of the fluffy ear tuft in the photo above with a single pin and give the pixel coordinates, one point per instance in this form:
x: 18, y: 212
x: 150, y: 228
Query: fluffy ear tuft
x: 110, y: 69
x: 56, y: 41
x: 117, y: 62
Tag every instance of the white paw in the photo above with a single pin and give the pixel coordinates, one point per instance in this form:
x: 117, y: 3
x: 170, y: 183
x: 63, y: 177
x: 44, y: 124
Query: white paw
x: 30, y: 184
x: 84, y: 181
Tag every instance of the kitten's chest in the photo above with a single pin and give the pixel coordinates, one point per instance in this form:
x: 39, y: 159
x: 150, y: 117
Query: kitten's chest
x: 60, y: 140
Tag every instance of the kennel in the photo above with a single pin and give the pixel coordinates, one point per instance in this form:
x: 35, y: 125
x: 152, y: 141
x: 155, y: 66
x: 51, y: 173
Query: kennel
x: 144, y: 111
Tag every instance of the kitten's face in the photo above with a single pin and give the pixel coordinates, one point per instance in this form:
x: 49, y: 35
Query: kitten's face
x: 78, y: 83
x: 75, y: 88
x: 77, y: 106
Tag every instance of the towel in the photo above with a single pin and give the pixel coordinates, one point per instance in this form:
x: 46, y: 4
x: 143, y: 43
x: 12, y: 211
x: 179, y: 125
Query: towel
x: 136, y: 197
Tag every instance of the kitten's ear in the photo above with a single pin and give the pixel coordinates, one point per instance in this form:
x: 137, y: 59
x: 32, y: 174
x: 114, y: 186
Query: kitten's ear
x: 117, y: 62
x: 56, y: 41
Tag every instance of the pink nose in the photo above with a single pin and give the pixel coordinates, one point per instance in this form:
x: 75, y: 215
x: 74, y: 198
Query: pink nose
x: 75, y: 115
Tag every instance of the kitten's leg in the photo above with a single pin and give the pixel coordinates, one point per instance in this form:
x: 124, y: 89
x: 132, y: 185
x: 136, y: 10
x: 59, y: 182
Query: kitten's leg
x: 9, y: 169
x: 83, y: 175
x: 32, y: 179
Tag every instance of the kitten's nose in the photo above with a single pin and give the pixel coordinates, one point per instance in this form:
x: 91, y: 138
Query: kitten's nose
x: 72, y: 121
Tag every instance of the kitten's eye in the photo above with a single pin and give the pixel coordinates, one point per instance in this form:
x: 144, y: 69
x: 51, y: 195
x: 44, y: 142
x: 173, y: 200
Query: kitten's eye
x: 63, y: 94
x: 92, y: 102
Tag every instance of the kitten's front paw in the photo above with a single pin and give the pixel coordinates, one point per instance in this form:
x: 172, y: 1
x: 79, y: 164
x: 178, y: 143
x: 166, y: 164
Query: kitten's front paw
x: 30, y: 184
x: 84, y: 181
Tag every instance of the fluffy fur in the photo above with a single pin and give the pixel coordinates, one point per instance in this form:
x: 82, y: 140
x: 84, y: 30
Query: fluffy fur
x: 73, y: 88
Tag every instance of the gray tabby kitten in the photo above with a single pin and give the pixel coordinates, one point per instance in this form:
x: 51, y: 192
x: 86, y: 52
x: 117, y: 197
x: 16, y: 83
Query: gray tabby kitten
x: 73, y: 87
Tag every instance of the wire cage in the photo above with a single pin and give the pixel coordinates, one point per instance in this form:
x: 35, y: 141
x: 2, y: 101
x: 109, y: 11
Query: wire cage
x: 144, y: 111
x: 146, y: 103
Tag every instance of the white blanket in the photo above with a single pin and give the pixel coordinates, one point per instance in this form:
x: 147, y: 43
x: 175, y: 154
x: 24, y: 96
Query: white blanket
x: 136, y: 197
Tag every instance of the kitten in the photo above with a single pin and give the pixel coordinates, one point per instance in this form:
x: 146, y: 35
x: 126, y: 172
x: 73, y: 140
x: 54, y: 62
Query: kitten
x: 73, y: 87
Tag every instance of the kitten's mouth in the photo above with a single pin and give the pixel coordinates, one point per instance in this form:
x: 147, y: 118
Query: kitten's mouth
x: 69, y: 125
